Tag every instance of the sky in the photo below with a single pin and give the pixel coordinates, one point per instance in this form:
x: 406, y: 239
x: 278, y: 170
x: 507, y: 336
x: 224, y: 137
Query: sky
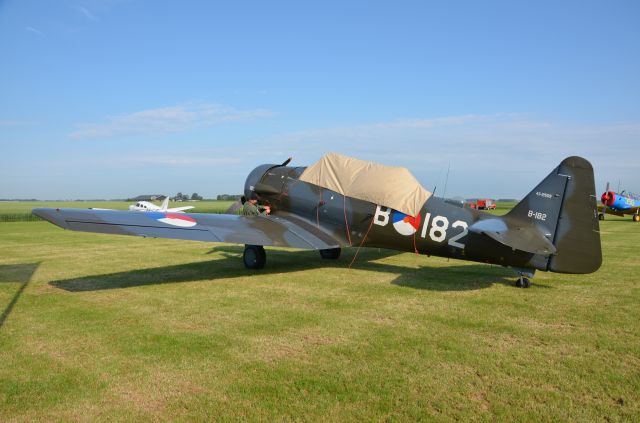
x: 112, y: 99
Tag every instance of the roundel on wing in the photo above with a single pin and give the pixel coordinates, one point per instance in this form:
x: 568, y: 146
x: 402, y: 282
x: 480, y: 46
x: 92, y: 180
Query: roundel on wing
x: 405, y: 225
x: 174, y: 219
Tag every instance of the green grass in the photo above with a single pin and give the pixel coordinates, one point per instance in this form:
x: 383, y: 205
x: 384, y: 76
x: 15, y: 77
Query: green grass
x: 97, y: 327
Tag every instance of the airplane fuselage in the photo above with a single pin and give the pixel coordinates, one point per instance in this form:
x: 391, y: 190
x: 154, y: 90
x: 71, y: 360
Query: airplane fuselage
x: 440, y: 229
x: 619, y: 202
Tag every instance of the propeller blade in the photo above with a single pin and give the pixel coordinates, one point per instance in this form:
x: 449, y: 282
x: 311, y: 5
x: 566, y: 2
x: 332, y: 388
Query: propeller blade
x: 286, y: 162
x: 605, y: 199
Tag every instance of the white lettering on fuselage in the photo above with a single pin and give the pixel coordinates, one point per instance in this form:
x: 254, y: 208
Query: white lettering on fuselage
x: 537, y: 215
x: 544, y: 194
x: 381, y: 217
x: 435, y: 228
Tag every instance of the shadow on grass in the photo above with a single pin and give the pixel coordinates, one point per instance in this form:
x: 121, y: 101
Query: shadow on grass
x: 11, y: 273
x: 450, y: 278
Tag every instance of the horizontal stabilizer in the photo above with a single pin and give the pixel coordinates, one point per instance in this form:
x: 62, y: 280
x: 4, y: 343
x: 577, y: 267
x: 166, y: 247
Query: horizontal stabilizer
x: 527, y: 239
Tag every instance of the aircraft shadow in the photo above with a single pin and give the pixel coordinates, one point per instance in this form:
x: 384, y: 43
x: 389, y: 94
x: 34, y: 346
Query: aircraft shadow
x: 450, y: 278
x: 12, y: 273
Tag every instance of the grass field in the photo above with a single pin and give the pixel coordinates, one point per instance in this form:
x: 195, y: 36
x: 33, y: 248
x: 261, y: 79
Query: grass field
x: 97, y: 327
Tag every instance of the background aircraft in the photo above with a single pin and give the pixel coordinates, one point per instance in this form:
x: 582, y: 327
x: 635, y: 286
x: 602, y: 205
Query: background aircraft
x: 362, y: 204
x: 619, y: 204
x: 147, y: 206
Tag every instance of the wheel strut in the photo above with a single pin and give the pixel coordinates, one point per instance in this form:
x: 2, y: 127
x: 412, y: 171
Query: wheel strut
x: 523, y: 282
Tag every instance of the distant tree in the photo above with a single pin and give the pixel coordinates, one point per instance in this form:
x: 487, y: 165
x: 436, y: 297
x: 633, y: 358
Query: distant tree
x: 180, y: 197
x: 228, y: 197
x: 195, y: 196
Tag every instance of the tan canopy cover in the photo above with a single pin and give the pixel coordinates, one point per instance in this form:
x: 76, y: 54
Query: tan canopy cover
x: 389, y: 186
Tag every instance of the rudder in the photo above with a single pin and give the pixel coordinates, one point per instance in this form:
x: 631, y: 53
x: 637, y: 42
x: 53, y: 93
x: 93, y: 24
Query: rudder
x: 563, y: 207
x: 577, y: 236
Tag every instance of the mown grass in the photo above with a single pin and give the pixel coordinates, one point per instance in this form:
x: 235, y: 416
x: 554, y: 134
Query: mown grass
x: 106, y: 328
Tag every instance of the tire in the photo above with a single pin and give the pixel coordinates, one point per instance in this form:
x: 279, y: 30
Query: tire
x: 254, y: 257
x: 330, y: 253
x: 600, y: 216
x: 636, y: 217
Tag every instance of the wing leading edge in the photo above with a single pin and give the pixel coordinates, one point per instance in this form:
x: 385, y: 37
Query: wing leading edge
x: 255, y: 230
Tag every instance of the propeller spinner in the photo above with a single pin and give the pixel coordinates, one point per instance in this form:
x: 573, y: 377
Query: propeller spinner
x: 608, y: 198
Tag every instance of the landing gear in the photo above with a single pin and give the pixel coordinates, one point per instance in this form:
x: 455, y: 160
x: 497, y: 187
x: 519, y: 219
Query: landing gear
x: 254, y: 257
x: 523, y: 277
x: 600, y: 216
x: 523, y: 282
x: 330, y: 253
x: 636, y: 217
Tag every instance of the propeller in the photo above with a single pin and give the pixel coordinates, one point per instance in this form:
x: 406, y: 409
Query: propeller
x: 607, y: 198
x: 286, y: 162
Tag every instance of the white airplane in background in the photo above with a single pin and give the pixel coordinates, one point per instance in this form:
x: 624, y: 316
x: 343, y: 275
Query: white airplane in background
x: 146, y: 206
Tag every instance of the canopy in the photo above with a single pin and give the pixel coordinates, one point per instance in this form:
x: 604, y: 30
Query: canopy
x: 389, y: 186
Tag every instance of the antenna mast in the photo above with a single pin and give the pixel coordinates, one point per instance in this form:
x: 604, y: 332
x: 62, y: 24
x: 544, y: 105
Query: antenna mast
x: 444, y: 193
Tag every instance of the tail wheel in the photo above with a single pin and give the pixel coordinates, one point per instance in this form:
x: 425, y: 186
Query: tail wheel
x: 330, y: 253
x: 254, y: 257
x: 600, y: 216
x: 523, y: 282
x: 636, y: 217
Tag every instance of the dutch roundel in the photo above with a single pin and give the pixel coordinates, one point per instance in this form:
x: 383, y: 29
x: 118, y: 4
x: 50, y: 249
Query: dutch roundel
x: 405, y: 225
x: 175, y: 219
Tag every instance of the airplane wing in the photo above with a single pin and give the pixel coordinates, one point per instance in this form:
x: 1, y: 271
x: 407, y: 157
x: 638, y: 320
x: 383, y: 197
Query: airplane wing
x: 277, y: 231
x: 179, y: 209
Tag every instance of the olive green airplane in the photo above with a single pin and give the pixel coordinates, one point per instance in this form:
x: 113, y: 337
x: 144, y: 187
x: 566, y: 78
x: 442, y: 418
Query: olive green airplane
x: 343, y: 202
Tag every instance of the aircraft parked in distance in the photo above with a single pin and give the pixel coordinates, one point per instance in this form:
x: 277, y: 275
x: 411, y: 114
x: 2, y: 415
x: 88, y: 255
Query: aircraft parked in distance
x: 619, y: 204
x: 344, y: 202
x: 146, y: 206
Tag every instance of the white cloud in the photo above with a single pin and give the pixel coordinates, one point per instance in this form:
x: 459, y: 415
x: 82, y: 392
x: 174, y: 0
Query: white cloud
x: 88, y: 14
x: 499, y: 155
x: 165, y: 120
x: 33, y: 30
x: 489, y: 154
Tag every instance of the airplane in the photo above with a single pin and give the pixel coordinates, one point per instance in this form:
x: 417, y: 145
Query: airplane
x: 619, y: 204
x: 147, y: 206
x: 344, y: 202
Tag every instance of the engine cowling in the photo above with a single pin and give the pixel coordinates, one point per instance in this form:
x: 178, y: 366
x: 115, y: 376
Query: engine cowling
x: 608, y: 198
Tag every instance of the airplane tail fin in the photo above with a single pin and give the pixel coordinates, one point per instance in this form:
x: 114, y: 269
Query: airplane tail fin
x: 165, y: 204
x: 563, y: 207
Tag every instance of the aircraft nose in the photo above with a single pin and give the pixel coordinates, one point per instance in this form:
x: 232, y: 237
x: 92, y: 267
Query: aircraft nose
x: 608, y: 198
x: 52, y: 215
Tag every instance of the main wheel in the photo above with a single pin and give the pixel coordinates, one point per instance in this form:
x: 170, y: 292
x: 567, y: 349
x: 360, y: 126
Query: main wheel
x: 526, y: 283
x: 600, y: 216
x: 330, y: 253
x: 519, y: 283
x: 636, y: 217
x: 254, y: 256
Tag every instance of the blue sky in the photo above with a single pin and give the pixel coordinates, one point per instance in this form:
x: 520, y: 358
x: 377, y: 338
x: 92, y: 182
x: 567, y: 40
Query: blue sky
x: 109, y: 99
